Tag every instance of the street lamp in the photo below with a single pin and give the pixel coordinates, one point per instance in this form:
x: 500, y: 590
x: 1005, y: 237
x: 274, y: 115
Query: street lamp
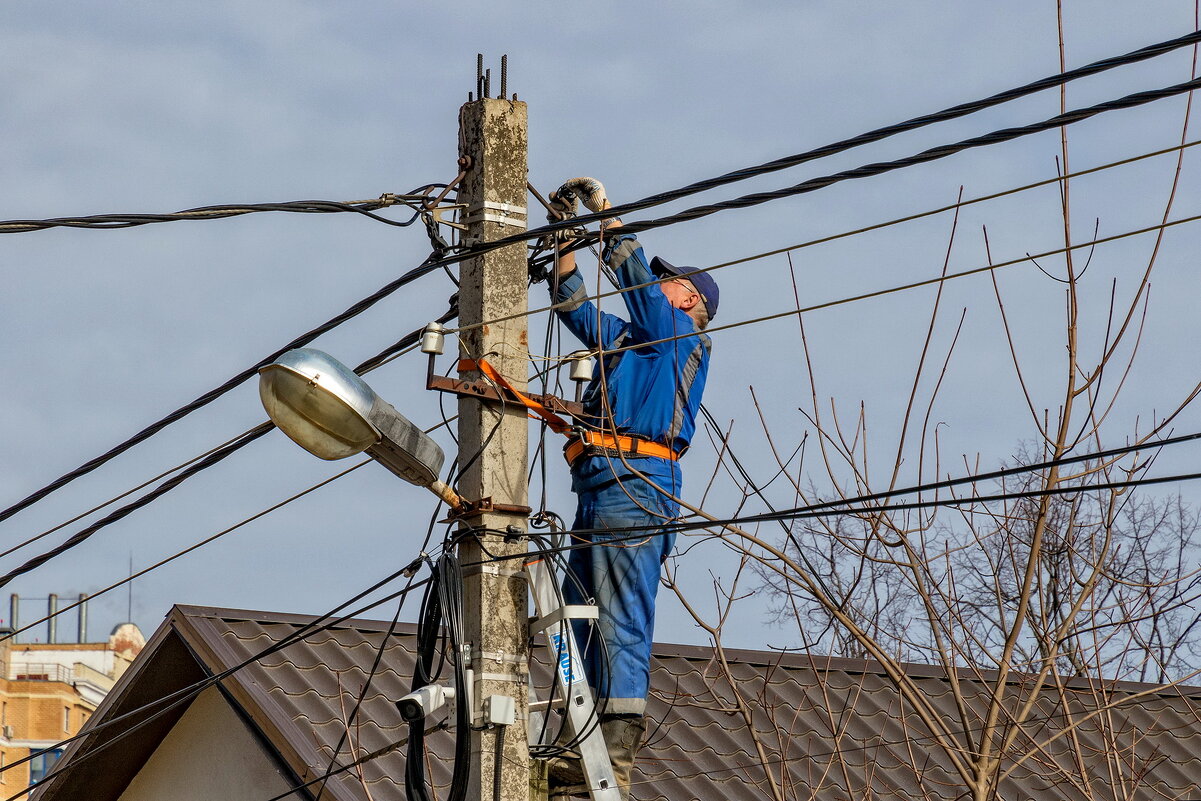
x: 325, y: 408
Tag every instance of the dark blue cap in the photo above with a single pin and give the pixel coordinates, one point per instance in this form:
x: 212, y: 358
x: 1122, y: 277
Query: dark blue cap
x: 703, y: 282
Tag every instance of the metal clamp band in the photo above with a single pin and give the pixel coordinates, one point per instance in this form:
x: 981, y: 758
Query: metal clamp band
x: 504, y: 208
x: 499, y: 213
x: 501, y: 657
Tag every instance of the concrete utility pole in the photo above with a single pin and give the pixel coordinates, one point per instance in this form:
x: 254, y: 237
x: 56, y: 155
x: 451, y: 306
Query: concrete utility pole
x: 492, y: 135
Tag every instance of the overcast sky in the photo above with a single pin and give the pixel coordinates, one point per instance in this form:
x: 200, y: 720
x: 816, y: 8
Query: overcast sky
x: 160, y: 106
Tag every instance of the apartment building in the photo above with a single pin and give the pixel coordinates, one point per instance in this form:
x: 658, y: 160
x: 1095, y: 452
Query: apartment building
x: 48, y: 692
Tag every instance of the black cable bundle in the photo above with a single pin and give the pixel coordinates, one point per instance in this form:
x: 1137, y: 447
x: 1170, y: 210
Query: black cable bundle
x: 450, y: 586
x: 423, y: 675
x: 443, y: 603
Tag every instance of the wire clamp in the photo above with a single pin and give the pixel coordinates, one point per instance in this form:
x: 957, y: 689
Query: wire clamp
x: 411, y: 568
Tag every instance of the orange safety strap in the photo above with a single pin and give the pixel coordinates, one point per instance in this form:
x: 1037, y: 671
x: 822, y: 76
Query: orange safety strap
x: 556, y: 423
x: 631, y: 446
x: 576, y: 446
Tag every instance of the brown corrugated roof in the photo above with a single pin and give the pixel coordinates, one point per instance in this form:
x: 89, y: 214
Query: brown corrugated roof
x: 791, y: 724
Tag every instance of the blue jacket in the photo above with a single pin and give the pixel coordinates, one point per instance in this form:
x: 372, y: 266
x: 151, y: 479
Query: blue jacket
x: 654, y: 391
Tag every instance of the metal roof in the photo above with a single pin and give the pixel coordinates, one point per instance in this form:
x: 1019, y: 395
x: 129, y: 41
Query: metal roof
x: 768, y: 725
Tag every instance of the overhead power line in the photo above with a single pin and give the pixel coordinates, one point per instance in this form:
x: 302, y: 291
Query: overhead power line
x: 855, y: 505
x: 30, y: 540
x: 646, y: 225
x: 213, y: 394
x: 360, y: 761
x: 812, y: 510
x: 954, y: 112
x: 852, y: 298
x: 212, y: 458
x: 842, y: 145
x: 993, y: 475
x: 878, y: 293
x: 195, y: 546
x: 622, y: 534
x: 185, y: 694
x: 408, y: 340
x: 865, y: 171
x: 931, y: 154
x: 207, y: 540
x: 959, y: 204
x: 1074, y: 489
x: 82, y: 536
x: 821, y: 240
x: 105, y: 221
x: 807, y: 186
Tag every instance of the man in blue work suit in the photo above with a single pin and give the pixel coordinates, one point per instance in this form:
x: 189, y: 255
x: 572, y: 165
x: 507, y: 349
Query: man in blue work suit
x: 640, y: 415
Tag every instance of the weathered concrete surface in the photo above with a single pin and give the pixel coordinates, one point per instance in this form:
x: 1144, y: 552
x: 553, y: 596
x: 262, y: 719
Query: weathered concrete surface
x: 493, y: 286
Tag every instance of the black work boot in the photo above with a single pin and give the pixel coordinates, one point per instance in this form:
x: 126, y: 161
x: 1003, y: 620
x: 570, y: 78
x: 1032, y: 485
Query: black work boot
x: 623, y: 736
x: 565, y: 772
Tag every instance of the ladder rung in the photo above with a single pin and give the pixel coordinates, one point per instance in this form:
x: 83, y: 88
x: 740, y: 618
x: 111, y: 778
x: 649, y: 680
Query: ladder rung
x: 579, y: 612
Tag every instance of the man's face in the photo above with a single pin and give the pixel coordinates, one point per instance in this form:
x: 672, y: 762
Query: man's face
x: 681, y: 293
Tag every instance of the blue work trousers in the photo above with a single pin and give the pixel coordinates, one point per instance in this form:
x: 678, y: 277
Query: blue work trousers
x: 620, y: 571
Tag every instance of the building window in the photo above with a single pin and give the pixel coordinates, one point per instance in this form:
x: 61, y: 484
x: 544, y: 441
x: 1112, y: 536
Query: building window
x: 66, y: 718
x: 42, y: 763
x: 3, y: 778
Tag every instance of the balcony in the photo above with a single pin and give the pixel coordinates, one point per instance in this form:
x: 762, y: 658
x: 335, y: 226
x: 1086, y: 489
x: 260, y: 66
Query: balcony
x: 41, y: 671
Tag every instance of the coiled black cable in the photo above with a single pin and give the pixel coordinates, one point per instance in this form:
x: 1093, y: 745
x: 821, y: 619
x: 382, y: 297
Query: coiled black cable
x: 440, y: 637
x: 428, y: 623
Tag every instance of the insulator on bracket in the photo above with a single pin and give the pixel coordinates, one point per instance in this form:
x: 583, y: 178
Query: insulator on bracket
x: 433, y: 339
x: 581, y: 365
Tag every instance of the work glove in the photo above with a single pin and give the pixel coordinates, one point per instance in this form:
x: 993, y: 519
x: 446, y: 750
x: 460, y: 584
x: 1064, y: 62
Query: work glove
x: 590, y: 191
x: 563, y: 205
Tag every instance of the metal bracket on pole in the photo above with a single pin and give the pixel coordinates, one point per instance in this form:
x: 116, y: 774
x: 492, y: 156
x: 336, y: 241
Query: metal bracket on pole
x: 580, y: 709
x: 439, y: 212
x: 490, y: 392
x: 484, y: 506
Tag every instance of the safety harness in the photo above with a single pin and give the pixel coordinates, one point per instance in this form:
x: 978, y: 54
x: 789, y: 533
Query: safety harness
x: 581, y: 442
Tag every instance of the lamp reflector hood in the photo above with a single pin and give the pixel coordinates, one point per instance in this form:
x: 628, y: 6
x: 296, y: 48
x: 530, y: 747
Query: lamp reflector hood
x: 319, y: 403
x: 330, y: 412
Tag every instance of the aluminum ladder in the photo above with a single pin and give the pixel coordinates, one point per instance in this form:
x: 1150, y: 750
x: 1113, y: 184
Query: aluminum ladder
x: 554, y: 619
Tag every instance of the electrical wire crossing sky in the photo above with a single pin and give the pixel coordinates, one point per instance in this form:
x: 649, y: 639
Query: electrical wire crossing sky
x: 134, y: 343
